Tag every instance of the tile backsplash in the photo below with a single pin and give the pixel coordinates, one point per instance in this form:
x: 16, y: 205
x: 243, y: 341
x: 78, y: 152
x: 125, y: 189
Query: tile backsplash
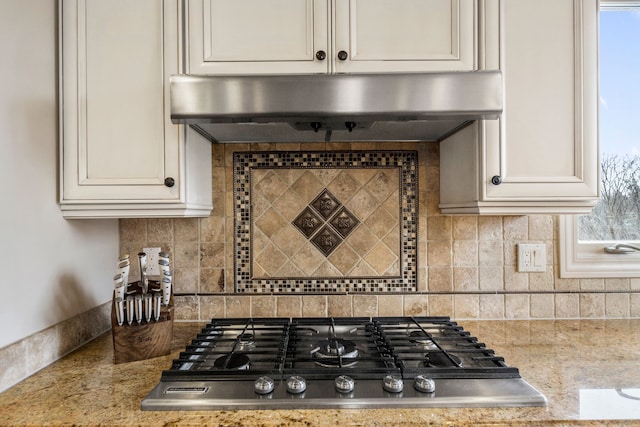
x: 466, y: 265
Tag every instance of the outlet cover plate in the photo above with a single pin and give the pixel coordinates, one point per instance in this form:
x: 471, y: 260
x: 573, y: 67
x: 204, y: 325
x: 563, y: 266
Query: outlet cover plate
x: 532, y: 257
x: 153, y: 255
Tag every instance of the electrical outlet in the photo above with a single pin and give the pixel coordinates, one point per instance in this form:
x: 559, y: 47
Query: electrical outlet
x: 532, y: 257
x: 153, y: 255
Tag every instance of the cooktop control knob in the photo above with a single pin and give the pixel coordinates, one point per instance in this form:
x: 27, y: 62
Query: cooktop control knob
x: 392, y: 384
x: 296, y: 384
x: 345, y: 384
x: 264, y: 385
x: 424, y: 384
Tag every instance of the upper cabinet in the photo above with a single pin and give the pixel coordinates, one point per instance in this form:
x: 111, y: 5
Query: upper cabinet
x: 120, y: 154
x: 122, y: 157
x: 403, y: 36
x: 329, y: 36
x: 541, y: 156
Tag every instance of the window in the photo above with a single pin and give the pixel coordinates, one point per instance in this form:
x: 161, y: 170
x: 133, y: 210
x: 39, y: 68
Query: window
x: 616, y: 218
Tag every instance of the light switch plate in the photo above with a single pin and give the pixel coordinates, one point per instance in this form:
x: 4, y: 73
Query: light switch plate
x: 532, y: 257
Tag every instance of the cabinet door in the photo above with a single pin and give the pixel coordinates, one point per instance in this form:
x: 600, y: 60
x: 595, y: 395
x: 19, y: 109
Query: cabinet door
x: 117, y: 144
x: 546, y: 143
x: 541, y: 156
x: 257, y: 36
x: 120, y: 154
x: 404, y: 35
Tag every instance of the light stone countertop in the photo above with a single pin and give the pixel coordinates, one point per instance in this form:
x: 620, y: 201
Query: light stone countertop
x: 564, y: 359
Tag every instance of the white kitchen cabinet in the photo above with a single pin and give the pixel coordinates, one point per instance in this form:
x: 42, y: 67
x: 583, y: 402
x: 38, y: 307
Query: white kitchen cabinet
x: 120, y: 154
x: 541, y: 156
x: 404, y: 36
x: 329, y: 36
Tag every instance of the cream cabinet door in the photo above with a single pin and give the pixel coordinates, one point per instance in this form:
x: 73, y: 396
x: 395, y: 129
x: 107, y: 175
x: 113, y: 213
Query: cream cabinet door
x: 541, y: 156
x: 404, y: 35
x: 258, y: 36
x: 120, y: 154
x: 547, y: 146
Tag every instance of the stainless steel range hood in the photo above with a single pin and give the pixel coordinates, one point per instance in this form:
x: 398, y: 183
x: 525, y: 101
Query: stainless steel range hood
x: 342, y: 107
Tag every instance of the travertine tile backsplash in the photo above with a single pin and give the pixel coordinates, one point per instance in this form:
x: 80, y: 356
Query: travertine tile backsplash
x: 466, y: 264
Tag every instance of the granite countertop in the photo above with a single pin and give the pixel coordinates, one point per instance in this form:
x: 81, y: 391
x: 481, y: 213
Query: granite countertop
x: 565, y: 359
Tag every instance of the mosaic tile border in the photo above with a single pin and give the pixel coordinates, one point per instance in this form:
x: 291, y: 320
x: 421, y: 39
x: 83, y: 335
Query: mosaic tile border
x: 245, y: 162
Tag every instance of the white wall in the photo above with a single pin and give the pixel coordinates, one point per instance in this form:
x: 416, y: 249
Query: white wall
x: 51, y: 269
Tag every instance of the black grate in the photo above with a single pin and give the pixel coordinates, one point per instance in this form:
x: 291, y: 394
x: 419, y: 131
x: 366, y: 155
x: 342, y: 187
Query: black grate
x: 323, y: 348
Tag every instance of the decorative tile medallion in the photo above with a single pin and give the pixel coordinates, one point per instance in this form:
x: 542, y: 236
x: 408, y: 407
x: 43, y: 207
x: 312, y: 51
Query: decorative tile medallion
x: 326, y: 204
x: 308, y: 222
x: 326, y: 240
x: 325, y: 222
x: 343, y: 222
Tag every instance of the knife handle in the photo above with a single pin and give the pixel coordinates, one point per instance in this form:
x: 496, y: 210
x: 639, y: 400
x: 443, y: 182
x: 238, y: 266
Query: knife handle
x: 144, y: 284
x: 120, y: 311
x: 157, y: 306
x: 129, y: 313
x: 148, y: 307
x: 166, y: 290
x: 138, y: 309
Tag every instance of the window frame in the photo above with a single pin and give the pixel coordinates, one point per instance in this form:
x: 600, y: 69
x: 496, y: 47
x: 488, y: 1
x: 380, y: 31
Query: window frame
x: 587, y: 259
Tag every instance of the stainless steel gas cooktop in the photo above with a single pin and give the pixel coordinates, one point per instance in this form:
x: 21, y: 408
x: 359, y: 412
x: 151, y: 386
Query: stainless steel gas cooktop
x: 278, y: 363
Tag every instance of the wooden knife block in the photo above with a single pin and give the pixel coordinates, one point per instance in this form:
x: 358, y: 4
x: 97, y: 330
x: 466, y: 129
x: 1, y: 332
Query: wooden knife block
x: 140, y: 341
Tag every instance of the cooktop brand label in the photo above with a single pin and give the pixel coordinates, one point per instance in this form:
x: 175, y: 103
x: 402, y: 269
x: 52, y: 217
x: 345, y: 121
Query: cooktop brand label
x: 325, y: 221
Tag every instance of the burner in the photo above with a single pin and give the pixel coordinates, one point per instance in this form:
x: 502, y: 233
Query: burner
x: 335, y: 352
x: 245, y: 340
x: 440, y: 359
x: 233, y: 361
x: 421, y: 339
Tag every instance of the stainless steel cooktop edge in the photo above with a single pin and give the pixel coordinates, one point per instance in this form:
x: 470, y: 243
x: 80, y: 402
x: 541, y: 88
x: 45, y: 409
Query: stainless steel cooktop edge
x: 227, y: 395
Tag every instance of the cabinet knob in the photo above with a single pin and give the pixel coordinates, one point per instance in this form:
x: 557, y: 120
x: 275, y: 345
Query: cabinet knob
x: 342, y: 55
x: 169, y: 182
x: 321, y: 55
x: 496, y: 180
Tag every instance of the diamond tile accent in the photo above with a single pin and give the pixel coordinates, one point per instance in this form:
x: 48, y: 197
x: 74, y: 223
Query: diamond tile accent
x: 308, y: 222
x: 326, y: 240
x: 344, y: 222
x: 326, y: 204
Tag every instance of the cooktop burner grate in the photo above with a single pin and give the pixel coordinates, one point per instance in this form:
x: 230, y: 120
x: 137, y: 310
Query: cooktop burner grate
x: 323, y: 348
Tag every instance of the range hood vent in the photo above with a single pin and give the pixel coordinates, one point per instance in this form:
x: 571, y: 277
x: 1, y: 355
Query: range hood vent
x: 342, y: 107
